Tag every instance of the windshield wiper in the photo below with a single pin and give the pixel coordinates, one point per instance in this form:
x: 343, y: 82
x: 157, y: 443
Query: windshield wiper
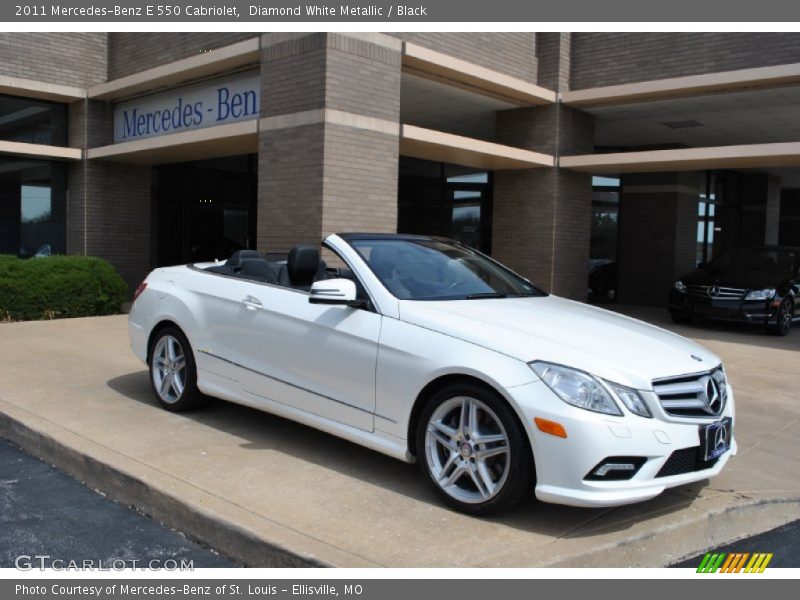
x: 485, y: 295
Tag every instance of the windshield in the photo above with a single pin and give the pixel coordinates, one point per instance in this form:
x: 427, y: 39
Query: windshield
x: 421, y: 269
x: 749, y: 259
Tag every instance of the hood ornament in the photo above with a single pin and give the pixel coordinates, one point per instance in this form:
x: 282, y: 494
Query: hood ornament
x: 697, y: 358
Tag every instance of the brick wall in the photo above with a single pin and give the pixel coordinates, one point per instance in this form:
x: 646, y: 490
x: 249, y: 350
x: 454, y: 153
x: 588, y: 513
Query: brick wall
x: 510, y: 53
x: 290, y: 187
x: 542, y: 217
x: 361, y: 169
x: 76, y: 59
x: 101, y: 124
x: 131, y: 52
x: 322, y: 177
x: 109, y: 216
x: 553, y: 52
x: 108, y: 212
x: 600, y: 59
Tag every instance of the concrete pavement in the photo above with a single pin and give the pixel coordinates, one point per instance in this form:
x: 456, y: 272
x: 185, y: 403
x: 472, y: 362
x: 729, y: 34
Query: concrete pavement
x: 269, y: 492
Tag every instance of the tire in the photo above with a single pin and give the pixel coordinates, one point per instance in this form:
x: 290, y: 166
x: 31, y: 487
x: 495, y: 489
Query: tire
x: 783, y: 319
x: 173, y: 374
x: 445, y: 446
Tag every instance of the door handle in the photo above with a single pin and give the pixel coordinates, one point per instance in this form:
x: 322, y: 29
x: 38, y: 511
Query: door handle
x: 252, y: 303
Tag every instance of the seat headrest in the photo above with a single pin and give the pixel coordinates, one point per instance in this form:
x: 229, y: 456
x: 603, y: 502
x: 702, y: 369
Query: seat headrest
x: 302, y: 264
x: 236, y: 258
x: 257, y: 269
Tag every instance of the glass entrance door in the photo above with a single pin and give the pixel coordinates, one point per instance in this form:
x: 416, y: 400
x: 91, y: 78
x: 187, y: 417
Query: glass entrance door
x: 448, y: 200
x: 205, y: 209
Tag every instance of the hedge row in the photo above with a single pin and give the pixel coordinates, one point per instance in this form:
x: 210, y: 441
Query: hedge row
x: 58, y: 286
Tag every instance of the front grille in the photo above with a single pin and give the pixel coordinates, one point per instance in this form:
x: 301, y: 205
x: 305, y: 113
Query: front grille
x: 687, y: 460
x: 698, y: 395
x: 714, y: 291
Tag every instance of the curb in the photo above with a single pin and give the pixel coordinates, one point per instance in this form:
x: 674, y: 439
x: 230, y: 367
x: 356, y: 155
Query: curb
x: 719, y: 527
x: 229, y: 539
x: 669, y: 543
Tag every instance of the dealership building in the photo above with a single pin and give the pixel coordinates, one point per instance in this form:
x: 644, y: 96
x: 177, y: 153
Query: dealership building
x: 545, y: 150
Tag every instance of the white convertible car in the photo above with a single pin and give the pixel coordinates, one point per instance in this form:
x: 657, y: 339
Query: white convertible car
x: 424, y: 349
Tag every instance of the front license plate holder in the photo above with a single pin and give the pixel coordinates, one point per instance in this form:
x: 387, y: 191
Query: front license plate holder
x: 716, y: 438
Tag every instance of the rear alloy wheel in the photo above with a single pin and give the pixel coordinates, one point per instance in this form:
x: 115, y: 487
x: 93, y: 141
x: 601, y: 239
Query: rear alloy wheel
x: 173, y: 375
x: 783, y: 320
x: 473, y: 452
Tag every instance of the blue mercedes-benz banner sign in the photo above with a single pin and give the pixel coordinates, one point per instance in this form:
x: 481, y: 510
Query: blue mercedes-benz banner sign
x: 205, y: 104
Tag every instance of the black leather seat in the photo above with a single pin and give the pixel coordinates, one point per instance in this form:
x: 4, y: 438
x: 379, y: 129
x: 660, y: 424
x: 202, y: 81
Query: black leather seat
x: 235, y: 261
x: 257, y: 269
x: 302, y: 267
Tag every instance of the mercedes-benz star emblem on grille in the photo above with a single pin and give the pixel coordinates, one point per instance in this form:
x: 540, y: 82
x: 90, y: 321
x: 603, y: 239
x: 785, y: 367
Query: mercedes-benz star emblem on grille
x: 720, y: 438
x: 713, y: 291
x: 712, y: 396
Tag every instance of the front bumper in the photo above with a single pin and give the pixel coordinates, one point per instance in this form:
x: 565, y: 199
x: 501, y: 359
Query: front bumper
x: 763, y: 312
x: 562, y: 464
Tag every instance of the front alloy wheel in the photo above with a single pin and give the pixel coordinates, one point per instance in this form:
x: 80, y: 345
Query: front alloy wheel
x: 472, y: 451
x: 784, y: 318
x: 172, y: 371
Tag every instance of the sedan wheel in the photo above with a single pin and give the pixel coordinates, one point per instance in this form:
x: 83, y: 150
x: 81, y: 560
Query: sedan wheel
x: 172, y: 371
x: 473, y: 452
x: 784, y: 318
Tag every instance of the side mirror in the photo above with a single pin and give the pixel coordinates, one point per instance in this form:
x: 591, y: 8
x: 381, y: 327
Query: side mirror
x: 333, y: 291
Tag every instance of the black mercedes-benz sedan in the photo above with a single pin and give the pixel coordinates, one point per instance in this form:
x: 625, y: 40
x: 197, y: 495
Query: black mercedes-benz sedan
x: 752, y: 284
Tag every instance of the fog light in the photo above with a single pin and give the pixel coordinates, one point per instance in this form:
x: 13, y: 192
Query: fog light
x: 616, y: 468
x: 603, y: 470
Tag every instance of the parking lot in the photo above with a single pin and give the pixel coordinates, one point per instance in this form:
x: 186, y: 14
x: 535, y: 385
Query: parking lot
x: 267, y: 491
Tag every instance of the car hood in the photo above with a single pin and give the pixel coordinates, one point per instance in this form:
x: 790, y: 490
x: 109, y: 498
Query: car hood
x: 549, y: 328
x: 742, y: 279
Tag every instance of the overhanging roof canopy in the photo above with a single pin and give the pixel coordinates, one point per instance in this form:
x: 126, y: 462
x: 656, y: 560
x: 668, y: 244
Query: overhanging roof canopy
x: 688, y: 159
x: 662, y: 89
x: 446, y: 147
x: 453, y: 71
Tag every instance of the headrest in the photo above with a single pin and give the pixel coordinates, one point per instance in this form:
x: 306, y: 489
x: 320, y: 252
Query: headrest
x: 302, y: 264
x: 257, y: 269
x: 236, y: 258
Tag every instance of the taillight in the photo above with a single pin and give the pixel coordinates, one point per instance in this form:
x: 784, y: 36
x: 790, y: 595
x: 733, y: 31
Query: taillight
x: 142, y: 287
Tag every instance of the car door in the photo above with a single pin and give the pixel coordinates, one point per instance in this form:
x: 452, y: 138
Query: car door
x: 210, y: 301
x: 314, y: 357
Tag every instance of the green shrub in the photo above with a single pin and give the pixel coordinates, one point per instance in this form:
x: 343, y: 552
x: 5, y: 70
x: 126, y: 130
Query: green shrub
x: 58, y: 286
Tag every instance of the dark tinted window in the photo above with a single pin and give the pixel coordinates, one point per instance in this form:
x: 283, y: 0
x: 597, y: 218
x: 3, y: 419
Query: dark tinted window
x: 780, y: 262
x: 32, y: 121
x: 32, y: 206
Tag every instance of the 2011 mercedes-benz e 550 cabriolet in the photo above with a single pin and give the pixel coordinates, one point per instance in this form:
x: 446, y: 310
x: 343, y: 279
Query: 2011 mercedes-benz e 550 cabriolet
x: 424, y: 349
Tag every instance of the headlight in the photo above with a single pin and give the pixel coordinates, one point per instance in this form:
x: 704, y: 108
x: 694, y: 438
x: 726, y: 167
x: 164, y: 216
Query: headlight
x: 631, y: 399
x: 679, y: 286
x: 576, y: 388
x: 760, y: 294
